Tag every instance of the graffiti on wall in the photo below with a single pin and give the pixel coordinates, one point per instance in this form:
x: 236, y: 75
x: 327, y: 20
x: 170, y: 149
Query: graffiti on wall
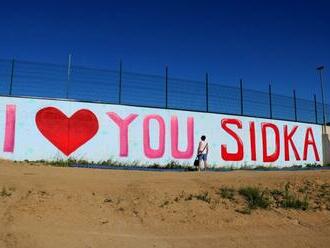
x: 66, y: 133
x: 37, y: 129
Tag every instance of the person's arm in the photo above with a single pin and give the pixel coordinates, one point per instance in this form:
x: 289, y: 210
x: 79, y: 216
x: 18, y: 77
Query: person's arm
x: 207, y: 148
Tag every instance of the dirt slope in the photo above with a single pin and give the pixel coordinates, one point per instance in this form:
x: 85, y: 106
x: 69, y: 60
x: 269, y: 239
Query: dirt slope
x: 43, y: 206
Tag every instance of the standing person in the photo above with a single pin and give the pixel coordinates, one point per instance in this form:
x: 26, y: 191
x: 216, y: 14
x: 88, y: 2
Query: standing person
x: 202, y: 151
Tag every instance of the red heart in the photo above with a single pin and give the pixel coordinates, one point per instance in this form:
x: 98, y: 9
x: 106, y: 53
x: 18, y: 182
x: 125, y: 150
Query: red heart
x: 67, y: 134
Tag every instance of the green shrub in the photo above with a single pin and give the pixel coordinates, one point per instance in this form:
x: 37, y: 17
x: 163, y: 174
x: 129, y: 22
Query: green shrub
x: 291, y: 201
x: 173, y: 165
x: 107, y: 200
x: 265, y: 168
x: 4, y: 192
x: 189, y: 197
x: 227, y: 193
x: 276, y: 192
x: 203, y: 197
x: 165, y: 203
x: 255, y: 197
x: 314, y: 165
x: 245, y: 210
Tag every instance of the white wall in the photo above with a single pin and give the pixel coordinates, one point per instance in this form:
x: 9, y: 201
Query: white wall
x: 28, y: 131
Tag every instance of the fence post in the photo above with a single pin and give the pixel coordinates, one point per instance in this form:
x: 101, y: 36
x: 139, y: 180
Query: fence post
x: 295, y: 105
x: 68, y: 79
x: 270, y: 101
x: 207, y: 91
x: 241, y: 88
x: 120, y: 80
x: 12, y: 76
x: 166, y: 86
x: 315, y: 109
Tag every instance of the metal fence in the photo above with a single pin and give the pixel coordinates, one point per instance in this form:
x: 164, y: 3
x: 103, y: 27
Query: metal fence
x: 22, y: 78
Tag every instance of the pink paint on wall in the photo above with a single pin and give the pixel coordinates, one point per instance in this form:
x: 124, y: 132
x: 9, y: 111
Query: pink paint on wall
x: 176, y: 153
x: 148, y: 151
x: 123, y: 130
x: 9, y: 142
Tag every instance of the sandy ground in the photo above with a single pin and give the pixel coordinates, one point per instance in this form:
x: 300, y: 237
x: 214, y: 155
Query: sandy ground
x: 43, y: 206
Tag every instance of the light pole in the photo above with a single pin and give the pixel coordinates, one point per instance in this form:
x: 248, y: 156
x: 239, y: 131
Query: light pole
x: 69, y: 75
x: 320, y: 69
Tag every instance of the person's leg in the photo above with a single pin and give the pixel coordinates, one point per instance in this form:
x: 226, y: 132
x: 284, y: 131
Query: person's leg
x: 205, y: 164
x: 200, y: 162
x: 205, y: 161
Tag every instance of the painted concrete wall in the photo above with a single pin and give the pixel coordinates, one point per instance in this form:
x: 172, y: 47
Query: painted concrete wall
x: 37, y: 129
x: 326, y: 145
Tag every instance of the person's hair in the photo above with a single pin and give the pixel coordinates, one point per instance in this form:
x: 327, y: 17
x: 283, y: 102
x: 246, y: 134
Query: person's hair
x: 203, y: 137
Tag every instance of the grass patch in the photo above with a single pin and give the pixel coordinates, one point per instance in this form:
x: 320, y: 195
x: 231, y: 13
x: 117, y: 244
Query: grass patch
x: 110, y: 162
x: 314, y: 165
x: 303, y: 189
x: 165, y: 203
x: 255, y: 197
x: 276, y: 192
x: 179, y: 197
x: 189, y: 197
x: 172, y: 164
x: 292, y: 201
x: 264, y: 168
x: 203, y: 197
x: 107, y: 200
x: 4, y: 192
x: 227, y: 193
x: 245, y: 210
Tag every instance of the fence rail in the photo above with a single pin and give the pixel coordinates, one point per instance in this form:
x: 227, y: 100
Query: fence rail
x: 22, y: 78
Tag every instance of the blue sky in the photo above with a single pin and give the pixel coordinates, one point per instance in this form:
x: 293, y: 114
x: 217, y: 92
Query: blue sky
x: 258, y: 41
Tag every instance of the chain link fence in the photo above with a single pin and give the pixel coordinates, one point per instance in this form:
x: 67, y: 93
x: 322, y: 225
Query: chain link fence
x: 30, y: 79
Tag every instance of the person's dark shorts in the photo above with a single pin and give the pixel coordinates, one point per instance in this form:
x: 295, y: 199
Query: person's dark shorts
x: 202, y: 157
